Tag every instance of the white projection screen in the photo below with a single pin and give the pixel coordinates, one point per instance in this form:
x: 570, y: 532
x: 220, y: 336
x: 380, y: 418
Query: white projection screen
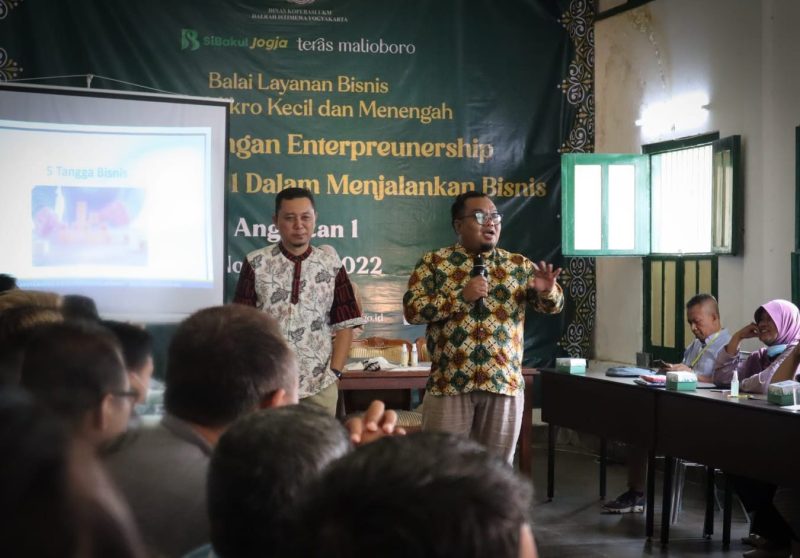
x: 116, y: 196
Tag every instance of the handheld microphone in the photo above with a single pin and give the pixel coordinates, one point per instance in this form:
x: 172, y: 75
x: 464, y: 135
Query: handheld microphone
x: 479, y: 268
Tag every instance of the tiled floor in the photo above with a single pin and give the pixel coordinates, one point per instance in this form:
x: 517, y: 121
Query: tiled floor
x: 572, y: 525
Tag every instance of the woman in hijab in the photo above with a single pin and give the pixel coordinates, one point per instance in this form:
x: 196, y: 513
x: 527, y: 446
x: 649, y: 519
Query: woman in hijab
x: 777, y: 325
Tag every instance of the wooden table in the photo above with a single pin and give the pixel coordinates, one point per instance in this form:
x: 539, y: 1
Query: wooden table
x: 417, y: 378
x: 739, y: 436
x: 611, y: 408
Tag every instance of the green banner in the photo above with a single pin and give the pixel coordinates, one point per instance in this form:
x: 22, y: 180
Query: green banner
x: 385, y: 109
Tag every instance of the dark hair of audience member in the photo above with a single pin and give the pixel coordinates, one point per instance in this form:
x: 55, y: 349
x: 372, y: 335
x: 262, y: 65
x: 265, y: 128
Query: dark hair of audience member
x: 48, y: 507
x: 423, y: 495
x: 20, y: 297
x: 79, y: 307
x: 72, y: 367
x: 258, y: 470
x: 17, y: 325
x: 7, y: 282
x: 137, y: 343
x: 222, y: 363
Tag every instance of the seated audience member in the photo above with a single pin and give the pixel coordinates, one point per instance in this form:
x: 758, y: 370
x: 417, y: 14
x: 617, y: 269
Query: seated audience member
x: 76, y: 370
x: 425, y: 495
x: 17, y: 325
x: 137, y: 352
x: 259, y: 469
x: 7, y: 282
x: 223, y: 363
x: 55, y: 499
x: 702, y: 315
x: 79, y: 307
x: 777, y: 325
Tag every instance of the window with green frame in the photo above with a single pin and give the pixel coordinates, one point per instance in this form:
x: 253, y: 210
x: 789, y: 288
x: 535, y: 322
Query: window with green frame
x: 680, y: 197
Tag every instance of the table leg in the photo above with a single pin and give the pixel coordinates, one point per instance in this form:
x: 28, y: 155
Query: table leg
x: 552, y: 432
x: 650, y: 496
x: 603, y: 462
x: 726, y: 514
x: 666, y: 499
x: 708, y: 524
x: 525, y: 436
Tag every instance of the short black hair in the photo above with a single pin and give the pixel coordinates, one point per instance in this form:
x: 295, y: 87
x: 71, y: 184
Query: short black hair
x: 71, y: 366
x: 259, y: 469
x: 79, y: 307
x: 137, y: 343
x: 292, y: 194
x: 457, y: 209
x: 222, y: 361
x: 17, y: 325
x: 7, y: 282
x: 703, y: 298
x: 429, y: 494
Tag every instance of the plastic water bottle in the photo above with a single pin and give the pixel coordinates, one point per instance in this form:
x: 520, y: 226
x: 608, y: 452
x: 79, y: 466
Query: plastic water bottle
x: 414, y: 355
x: 404, y: 355
x: 735, y: 384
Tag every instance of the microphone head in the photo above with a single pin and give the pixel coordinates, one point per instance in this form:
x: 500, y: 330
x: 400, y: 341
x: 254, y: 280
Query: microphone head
x: 479, y: 259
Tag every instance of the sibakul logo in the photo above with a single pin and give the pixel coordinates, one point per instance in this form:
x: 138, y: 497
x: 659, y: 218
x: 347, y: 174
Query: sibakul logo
x: 301, y: 2
x: 189, y: 39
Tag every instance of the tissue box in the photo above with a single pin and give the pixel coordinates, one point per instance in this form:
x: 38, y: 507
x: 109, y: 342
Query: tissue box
x: 781, y: 393
x: 681, y: 381
x: 571, y: 365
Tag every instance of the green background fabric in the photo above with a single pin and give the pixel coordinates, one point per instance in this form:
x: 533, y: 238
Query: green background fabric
x: 513, y: 77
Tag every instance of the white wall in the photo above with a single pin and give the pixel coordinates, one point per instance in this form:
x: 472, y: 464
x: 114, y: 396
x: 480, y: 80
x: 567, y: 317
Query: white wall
x: 743, y: 54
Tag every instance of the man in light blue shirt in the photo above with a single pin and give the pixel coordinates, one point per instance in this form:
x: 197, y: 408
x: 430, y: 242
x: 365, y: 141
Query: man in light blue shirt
x: 702, y: 314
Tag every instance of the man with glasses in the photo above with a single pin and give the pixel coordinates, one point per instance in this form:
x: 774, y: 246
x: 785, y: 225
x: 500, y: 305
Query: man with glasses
x: 473, y: 298
x: 76, y: 369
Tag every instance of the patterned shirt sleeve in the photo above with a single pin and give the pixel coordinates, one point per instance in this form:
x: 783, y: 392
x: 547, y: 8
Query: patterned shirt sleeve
x: 551, y: 302
x: 344, y: 311
x: 246, y: 287
x: 425, y: 301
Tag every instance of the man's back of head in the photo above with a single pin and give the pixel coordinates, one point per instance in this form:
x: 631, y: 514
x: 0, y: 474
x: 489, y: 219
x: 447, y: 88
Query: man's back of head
x: 76, y: 369
x: 425, y: 495
x: 260, y: 467
x: 224, y: 362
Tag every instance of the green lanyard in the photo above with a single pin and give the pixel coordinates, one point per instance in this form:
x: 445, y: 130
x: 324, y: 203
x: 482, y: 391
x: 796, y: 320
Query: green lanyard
x: 704, y: 349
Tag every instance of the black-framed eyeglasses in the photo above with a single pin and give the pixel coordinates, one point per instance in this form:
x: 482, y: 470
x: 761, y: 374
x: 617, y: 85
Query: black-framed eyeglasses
x: 483, y: 218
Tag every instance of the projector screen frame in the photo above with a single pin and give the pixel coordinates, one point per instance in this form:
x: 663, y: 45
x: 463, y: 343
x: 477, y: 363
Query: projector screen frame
x: 218, y: 171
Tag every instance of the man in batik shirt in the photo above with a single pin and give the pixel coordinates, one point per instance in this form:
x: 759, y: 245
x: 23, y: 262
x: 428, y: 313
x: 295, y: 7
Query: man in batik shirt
x: 475, y: 326
x: 307, y: 290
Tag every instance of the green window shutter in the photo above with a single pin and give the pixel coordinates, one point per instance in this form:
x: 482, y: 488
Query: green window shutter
x: 605, y: 204
x: 727, y: 218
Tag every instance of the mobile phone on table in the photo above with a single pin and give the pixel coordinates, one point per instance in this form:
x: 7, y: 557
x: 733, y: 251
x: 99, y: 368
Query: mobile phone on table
x: 658, y: 363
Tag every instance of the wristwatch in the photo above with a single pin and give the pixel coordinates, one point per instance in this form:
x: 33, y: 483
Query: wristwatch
x: 337, y: 372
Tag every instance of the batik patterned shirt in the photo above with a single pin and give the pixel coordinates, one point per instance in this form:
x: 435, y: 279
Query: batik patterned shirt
x: 475, y: 346
x: 310, y: 296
